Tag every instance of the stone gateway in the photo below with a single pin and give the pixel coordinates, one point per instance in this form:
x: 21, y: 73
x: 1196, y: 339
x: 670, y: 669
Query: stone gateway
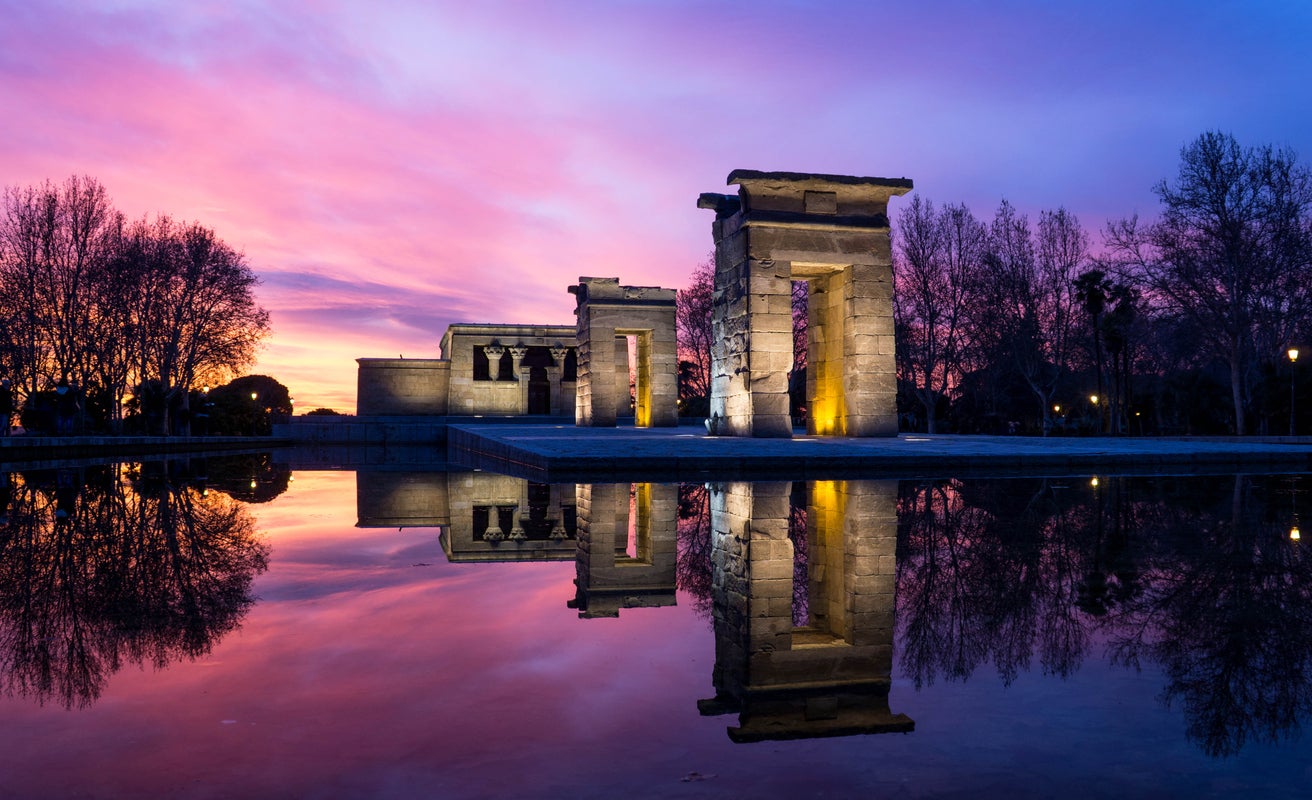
x: 832, y: 232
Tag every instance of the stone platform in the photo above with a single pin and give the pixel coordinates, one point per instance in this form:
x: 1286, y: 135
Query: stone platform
x: 564, y: 453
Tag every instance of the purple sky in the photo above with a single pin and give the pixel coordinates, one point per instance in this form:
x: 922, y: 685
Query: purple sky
x: 391, y: 168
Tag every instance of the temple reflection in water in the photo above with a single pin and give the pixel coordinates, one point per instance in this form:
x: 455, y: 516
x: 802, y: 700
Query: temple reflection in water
x: 484, y: 516
x: 809, y: 583
x: 804, y: 618
x: 803, y: 614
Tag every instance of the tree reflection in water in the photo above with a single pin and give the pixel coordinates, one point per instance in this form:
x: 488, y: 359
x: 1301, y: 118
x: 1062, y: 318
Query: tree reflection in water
x: 1197, y: 575
x: 102, y: 567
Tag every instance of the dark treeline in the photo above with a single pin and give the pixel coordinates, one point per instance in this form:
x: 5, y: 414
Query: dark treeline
x: 1177, y: 326
x: 113, y: 307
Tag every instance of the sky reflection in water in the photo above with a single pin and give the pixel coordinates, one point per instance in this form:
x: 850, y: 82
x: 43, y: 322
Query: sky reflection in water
x: 371, y: 665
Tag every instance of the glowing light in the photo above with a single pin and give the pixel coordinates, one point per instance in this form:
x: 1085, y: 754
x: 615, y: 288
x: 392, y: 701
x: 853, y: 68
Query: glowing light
x: 1093, y: 398
x: 1094, y: 482
x: 253, y: 395
x: 1293, y: 354
x: 252, y: 483
x: 1294, y: 534
x: 1056, y: 409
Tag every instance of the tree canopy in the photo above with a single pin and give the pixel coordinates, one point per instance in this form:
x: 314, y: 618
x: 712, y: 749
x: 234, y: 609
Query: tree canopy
x: 109, y: 304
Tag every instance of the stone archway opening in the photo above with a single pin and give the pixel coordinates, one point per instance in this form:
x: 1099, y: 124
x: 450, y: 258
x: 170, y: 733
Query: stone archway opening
x: 832, y: 232
x: 625, y: 332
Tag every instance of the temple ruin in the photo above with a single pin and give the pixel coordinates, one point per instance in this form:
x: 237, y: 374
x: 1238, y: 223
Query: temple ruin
x: 609, y: 315
x: 620, y: 359
x: 485, y: 370
x: 830, y: 231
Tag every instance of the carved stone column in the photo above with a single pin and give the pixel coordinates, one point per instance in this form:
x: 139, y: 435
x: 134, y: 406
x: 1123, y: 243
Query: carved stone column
x: 554, y: 374
x: 517, y: 353
x: 493, y: 353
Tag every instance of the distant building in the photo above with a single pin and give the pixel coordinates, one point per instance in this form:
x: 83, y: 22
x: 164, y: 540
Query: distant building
x: 501, y: 370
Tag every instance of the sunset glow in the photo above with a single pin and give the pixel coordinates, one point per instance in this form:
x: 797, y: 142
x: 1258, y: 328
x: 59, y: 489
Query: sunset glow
x: 390, y: 171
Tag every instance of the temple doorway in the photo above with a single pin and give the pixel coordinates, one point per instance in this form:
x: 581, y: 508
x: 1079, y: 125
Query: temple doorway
x: 539, y: 391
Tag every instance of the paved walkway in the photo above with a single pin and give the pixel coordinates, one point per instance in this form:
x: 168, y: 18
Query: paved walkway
x: 566, y: 452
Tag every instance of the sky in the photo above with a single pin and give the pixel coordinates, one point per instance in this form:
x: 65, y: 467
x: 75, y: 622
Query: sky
x: 391, y: 168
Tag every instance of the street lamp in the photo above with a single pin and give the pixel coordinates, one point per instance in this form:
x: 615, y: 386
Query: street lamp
x: 1293, y: 359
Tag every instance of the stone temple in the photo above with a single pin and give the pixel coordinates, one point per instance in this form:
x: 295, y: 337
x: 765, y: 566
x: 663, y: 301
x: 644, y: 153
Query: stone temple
x: 618, y: 364
x: 830, y: 231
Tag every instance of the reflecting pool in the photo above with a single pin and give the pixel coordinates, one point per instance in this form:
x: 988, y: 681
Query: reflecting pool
x: 225, y: 628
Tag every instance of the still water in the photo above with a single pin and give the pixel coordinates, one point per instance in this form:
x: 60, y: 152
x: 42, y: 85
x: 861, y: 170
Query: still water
x: 224, y: 628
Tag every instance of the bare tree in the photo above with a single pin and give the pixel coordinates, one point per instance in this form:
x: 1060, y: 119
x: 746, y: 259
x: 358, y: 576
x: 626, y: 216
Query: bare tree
x: 1232, y: 252
x: 87, y: 297
x: 936, y: 256
x: 692, y: 317
x: 208, y: 323
x: 1061, y: 249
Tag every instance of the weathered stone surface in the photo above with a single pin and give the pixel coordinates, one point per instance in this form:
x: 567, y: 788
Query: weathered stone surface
x: 830, y: 674
x: 832, y: 231
x: 452, y: 386
x: 610, y: 577
x: 610, y: 312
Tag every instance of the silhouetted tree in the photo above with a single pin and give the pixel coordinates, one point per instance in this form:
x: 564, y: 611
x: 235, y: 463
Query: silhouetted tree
x: 1232, y: 251
x: 107, y: 305
x: 247, y: 405
x: 692, y: 318
x: 936, y: 256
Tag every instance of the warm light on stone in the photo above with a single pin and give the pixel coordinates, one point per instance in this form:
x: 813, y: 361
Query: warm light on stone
x: 830, y: 231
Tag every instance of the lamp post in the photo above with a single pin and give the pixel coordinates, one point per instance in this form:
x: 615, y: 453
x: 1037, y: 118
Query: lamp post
x: 1293, y: 359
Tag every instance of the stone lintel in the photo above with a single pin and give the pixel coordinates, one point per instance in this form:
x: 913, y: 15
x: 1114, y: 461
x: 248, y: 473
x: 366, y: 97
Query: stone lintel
x: 609, y: 292
x: 816, y: 179
x: 791, y: 198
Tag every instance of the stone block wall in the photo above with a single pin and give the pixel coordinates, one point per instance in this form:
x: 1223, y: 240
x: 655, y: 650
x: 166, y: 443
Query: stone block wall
x: 609, y: 578
x: 832, y: 232
x: 828, y: 677
x: 401, y: 386
x: 469, y: 395
x: 607, y: 312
